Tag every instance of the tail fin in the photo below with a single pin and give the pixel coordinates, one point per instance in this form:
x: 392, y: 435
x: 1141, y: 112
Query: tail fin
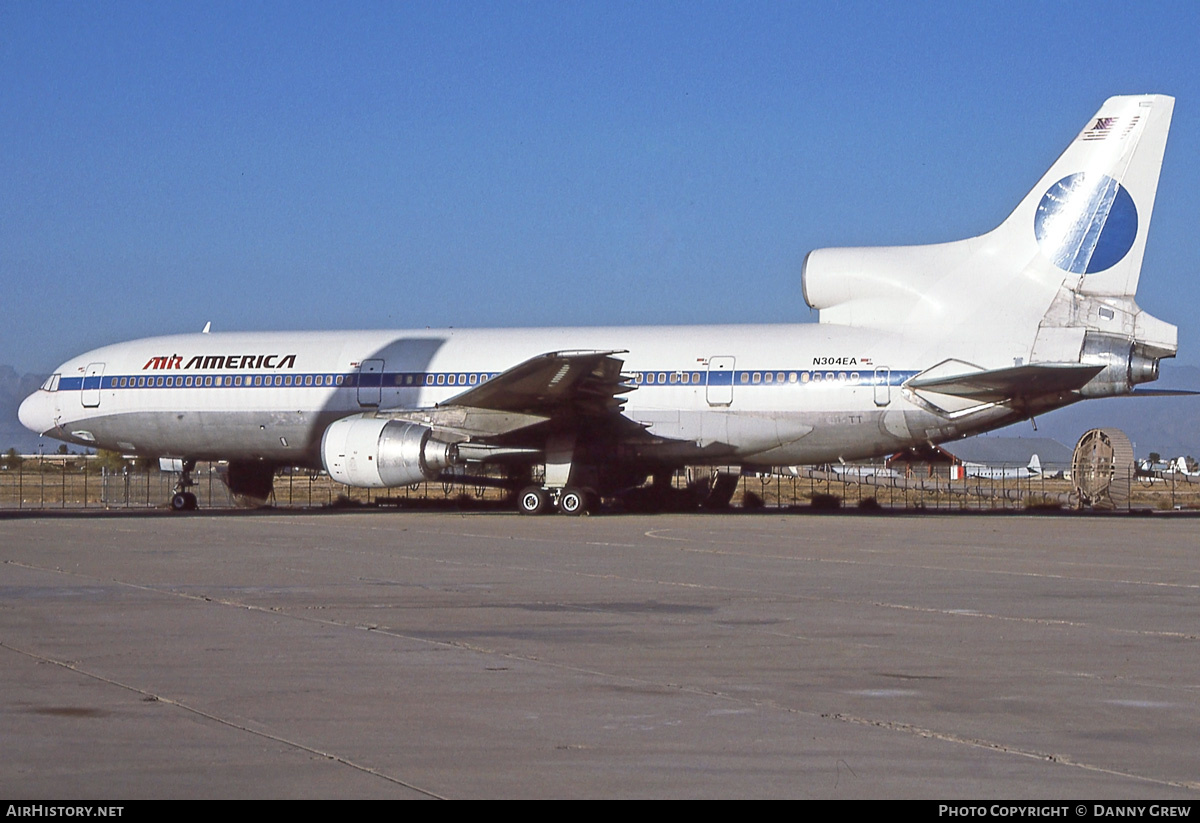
x: 1091, y: 210
x: 1035, y: 465
x: 1063, y: 265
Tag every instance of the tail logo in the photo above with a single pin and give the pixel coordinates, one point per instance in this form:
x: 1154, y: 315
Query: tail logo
x: 1086, y: 223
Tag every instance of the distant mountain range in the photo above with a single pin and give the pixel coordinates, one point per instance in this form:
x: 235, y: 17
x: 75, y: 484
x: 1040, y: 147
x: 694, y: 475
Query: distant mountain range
x: 1167, y: 425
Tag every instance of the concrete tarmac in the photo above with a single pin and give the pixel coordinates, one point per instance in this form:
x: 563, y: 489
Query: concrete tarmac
x: 411, y: 655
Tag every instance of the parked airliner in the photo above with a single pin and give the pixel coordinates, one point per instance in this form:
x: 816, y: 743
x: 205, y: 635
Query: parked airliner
x: 914, y: 345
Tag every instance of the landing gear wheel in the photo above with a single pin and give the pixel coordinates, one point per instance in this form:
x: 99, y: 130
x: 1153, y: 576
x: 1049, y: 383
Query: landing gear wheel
x: 533, y: 500
x: 183, y: 500
x: 574, y: 501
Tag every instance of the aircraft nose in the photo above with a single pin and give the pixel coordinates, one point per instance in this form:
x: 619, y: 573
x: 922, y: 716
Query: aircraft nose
x: 34, y: 412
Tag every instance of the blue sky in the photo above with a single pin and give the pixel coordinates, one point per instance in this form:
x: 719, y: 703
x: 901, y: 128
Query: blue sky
x: 360, y: 165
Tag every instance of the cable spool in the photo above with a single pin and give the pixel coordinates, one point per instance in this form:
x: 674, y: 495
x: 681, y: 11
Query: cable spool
x: 1102, y: 469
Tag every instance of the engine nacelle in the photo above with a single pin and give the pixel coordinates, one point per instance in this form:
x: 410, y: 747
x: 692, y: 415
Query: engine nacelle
x: 376, y: 452
x: 1125, y: 365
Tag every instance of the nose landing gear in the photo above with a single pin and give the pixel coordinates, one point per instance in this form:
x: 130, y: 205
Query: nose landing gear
x: 183, y: 500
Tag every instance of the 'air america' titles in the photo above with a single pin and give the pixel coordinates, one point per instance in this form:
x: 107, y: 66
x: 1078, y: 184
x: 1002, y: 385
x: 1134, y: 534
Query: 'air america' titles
x: 222, y: 361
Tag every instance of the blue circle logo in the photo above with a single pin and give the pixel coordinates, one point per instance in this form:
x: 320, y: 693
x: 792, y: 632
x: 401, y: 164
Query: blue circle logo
x: 1086, y: 223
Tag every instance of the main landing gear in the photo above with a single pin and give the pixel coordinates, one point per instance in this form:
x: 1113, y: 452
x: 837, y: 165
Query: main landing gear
x: 570, y: 500
x: 183, y: 500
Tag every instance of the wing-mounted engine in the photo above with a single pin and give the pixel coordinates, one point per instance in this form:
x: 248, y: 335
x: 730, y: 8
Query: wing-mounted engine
x: 380, y: 452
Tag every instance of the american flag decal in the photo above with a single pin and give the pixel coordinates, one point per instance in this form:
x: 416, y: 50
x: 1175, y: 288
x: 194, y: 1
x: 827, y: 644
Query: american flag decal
x: 1100, y: 129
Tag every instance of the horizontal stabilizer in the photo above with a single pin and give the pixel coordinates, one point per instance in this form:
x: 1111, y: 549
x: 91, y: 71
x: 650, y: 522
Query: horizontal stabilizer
x: 1000, y: 385
x: 1161, y: 393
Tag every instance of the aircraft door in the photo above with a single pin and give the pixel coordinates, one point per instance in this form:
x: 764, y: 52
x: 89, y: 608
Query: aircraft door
x: 883, y: 386
x: 370, y: 382
x: 90, y: 396
x: 720, y: 380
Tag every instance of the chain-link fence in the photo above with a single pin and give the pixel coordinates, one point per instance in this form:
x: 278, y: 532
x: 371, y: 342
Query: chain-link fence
x: 77, y: 482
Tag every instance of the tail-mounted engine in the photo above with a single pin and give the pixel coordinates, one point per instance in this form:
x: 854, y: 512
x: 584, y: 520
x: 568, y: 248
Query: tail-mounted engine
x: 1125, y: 365
x: 377, y: 452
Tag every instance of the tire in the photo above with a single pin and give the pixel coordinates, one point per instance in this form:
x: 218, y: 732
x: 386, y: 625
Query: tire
x: 533, y: 500
x: 574, y: 502
x: 179, y: 502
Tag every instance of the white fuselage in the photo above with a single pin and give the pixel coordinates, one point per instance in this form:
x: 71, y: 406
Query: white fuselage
x: 751, y: 395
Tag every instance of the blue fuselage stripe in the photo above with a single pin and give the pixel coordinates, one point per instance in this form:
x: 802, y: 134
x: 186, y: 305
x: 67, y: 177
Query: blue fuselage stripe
x: 742, y: 379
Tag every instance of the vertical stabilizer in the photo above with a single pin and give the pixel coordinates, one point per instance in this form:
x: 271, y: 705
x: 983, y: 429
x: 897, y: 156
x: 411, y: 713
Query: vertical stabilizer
x: 1090, y: 213
x: 1064, y: 265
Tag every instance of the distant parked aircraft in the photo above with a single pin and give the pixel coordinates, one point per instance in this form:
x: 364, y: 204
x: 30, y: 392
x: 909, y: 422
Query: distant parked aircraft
x: 1033, y: 469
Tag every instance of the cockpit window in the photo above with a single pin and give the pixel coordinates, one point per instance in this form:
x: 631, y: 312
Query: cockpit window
x: 51, y: 383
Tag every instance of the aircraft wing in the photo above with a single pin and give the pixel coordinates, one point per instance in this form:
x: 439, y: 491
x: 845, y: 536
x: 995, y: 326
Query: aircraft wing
x: 567, y: 387
x: 578, y: 383
x: 1001, y: 385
